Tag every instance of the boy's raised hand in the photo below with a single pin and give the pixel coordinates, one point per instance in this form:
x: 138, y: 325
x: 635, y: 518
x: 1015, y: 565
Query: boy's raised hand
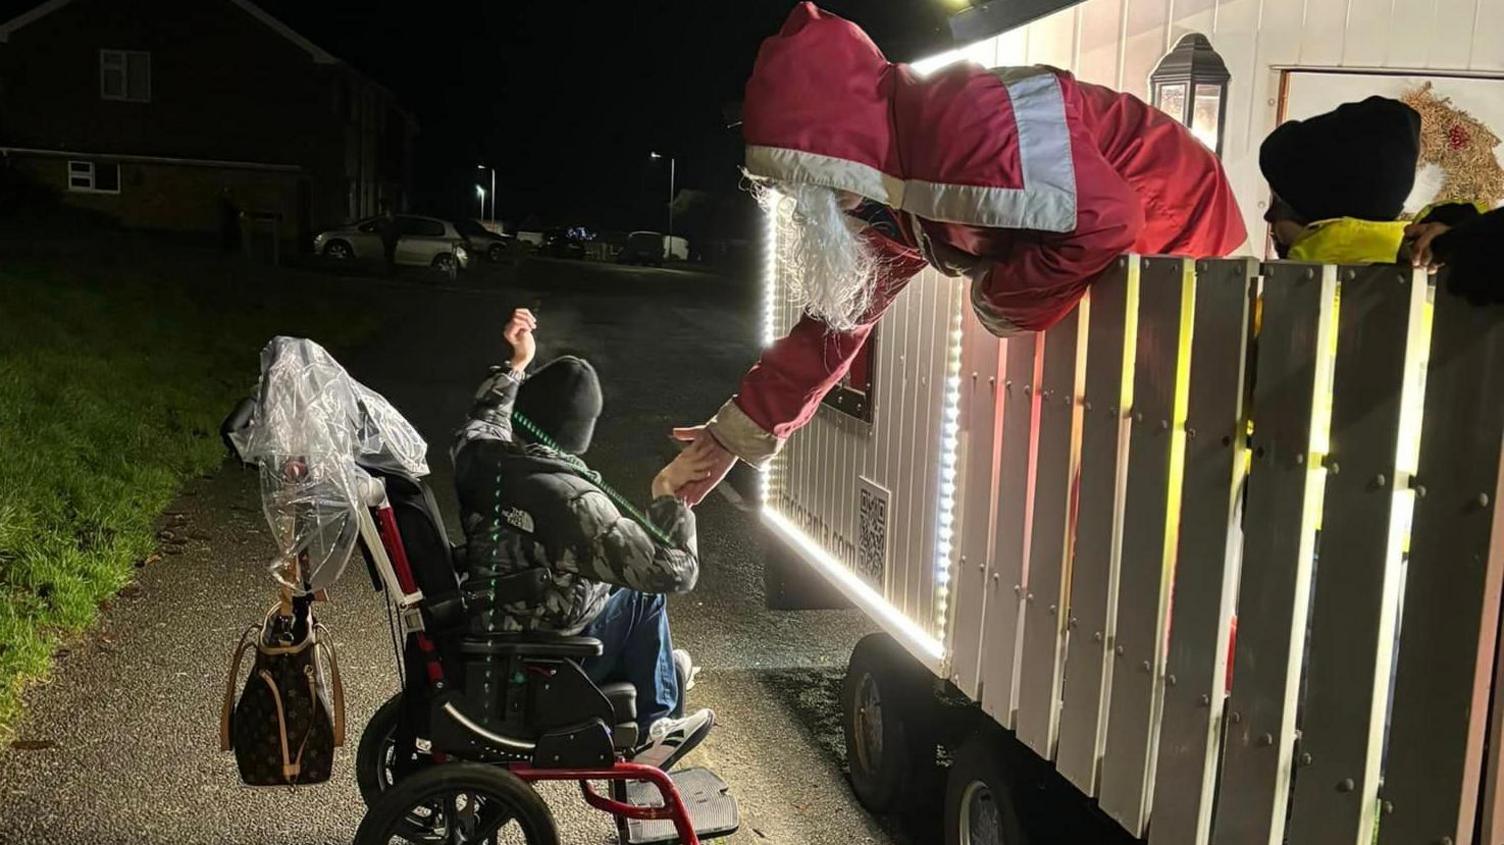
x: 519, y: 333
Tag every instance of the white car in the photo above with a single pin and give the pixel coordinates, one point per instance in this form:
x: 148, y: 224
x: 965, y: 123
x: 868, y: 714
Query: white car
x: 483, y: 241
x: 421, y: 242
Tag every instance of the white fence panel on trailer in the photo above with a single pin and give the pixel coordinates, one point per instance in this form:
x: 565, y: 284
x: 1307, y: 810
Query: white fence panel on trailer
x: 1099, y: 524
x: 1167, y: 295
x: 1451, y: 612
x: 1291, y: 385
x: 1015, y: 496
x: 1042, y: 656
x: 1205, y: 584
x: 981, y: 432
x: 1377, y: 381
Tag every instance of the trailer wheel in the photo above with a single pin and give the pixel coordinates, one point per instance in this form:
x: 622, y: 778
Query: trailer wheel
x: 890, y: 740
x: 979, y: 796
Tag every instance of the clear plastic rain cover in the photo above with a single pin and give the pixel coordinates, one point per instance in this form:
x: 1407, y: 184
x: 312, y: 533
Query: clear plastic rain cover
x: 313, y: 433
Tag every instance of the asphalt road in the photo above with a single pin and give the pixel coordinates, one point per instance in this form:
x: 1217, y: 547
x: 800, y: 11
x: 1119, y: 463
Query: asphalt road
x: 121, y: 744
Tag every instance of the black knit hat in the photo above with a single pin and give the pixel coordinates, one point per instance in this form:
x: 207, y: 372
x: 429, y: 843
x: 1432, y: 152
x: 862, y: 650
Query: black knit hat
x: 563, y: 398
x: 1357, y: 160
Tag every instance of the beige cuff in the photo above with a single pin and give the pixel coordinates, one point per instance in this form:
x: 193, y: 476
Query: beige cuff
x: 742, y: 437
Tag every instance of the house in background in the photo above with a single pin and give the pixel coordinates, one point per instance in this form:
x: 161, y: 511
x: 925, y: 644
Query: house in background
x: 150, y: 110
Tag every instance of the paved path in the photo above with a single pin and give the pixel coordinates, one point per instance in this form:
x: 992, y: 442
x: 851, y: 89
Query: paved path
x: 121, y: 747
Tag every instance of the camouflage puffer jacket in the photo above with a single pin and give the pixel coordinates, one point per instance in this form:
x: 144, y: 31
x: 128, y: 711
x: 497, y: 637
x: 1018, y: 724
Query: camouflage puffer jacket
x: 527, y: 507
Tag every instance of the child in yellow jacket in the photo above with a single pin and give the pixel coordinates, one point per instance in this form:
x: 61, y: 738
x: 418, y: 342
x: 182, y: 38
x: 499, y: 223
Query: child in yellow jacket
x: 1340, y: 181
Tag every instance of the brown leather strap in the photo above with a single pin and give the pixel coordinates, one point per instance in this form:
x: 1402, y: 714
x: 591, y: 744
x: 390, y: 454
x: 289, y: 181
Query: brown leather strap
x: 313, y: 698
x: 225, y: 743
x: 337, y: 687
x: 289, y: 766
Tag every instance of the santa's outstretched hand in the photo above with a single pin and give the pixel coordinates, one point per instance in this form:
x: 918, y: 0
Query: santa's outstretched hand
x: 706, y: 455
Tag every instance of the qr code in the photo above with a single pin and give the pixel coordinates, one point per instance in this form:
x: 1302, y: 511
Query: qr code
x: 872, y: 532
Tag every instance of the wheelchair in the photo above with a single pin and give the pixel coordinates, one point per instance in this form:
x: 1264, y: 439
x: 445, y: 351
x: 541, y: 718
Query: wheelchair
x: 481, y: 718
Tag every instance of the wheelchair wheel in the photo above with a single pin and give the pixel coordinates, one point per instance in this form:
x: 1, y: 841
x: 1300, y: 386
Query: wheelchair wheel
x: 467, y: 803
x: 376, y: 765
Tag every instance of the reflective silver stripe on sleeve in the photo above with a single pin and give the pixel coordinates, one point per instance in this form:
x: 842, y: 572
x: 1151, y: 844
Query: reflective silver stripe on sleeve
x: 1047, y: 200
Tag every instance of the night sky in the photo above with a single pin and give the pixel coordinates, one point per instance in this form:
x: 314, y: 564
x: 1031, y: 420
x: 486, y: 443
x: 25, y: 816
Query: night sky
x: 567, y: 99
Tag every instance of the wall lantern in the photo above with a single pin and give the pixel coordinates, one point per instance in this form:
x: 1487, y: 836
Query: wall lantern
x: 1190, y: 85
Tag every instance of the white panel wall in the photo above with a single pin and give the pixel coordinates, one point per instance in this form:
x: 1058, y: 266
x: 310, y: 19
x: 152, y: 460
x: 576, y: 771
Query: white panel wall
x: 815, y: 478
x: 1117, y: 43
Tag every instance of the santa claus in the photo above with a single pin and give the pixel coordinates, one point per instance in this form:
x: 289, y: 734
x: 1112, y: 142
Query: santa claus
x: 1025, y: 180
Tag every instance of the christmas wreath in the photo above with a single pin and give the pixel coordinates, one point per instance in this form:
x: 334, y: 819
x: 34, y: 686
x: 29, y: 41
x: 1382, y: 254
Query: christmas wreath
x: 1461, y: 146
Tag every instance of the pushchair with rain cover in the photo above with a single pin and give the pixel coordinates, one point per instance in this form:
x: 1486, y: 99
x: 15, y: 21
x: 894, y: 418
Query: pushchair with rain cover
x: 480, y: 718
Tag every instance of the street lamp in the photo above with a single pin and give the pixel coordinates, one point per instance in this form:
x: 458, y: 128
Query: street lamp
x: 671, y: 166
x: 493, y: 193
x: 480, y: 193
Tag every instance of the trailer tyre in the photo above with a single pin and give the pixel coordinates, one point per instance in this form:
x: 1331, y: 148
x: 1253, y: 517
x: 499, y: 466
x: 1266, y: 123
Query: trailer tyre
x: 979, y: 796
x: 887, y: 705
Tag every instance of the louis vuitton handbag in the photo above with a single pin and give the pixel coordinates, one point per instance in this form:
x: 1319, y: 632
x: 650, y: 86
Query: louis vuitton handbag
x: 290, y: 715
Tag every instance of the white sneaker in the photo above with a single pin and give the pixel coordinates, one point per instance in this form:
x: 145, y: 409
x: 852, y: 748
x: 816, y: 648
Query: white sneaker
x: 687, y: 670
x: 670, y: 739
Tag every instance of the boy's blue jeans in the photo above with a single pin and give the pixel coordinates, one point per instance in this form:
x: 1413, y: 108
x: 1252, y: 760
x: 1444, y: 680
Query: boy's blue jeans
x: 633, y: 628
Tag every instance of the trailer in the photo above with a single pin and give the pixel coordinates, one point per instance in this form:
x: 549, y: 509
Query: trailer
x: 1223, y: 547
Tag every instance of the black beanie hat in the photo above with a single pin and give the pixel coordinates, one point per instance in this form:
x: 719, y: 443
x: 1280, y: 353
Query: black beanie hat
x: 563, y: 398
x: 1357, y: 160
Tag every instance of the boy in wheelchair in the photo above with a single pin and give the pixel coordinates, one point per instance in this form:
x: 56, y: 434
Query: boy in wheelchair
x: 530, y: 505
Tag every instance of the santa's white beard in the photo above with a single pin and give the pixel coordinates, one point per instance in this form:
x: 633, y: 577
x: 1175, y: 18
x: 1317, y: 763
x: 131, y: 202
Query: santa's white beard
x: 829, y: 266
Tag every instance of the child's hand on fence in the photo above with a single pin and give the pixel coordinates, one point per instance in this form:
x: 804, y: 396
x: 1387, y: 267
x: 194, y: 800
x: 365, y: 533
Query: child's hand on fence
x: 1418, y: 238
x: 519, y: 333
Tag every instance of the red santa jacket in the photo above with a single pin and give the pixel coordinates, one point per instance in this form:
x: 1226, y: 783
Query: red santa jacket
x: 1024, y: 179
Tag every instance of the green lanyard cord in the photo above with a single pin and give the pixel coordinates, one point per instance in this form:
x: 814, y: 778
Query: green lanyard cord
x: 621, y: 501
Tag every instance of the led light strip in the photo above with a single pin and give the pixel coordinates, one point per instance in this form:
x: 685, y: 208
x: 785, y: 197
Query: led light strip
x: 767, y: 477
x: 949, y: 447
x: 770, y: 269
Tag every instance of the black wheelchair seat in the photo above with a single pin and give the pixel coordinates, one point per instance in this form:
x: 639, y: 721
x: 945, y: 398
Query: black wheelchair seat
x: 621, y: 695
x: 526, y: 696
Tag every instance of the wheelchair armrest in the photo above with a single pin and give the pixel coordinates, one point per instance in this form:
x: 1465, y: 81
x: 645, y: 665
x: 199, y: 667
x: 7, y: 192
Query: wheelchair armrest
x: 532, y: 645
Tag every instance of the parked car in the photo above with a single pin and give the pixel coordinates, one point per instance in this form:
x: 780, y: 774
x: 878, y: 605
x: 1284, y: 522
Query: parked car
x: 562, y: 243
x: 482, y: 241
x: 645, y: 248
x: 421, y: 242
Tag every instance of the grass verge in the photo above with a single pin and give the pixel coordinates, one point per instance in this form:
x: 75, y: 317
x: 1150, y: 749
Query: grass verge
x: 112, y: 386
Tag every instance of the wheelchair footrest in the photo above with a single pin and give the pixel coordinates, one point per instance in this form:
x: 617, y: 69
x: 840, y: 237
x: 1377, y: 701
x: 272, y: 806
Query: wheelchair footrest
x: 707, y: 797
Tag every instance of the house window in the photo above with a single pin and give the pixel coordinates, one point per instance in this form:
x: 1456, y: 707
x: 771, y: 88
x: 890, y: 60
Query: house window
x: 125, y: 75
x: 852, y: 395
x: 96, y: 177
